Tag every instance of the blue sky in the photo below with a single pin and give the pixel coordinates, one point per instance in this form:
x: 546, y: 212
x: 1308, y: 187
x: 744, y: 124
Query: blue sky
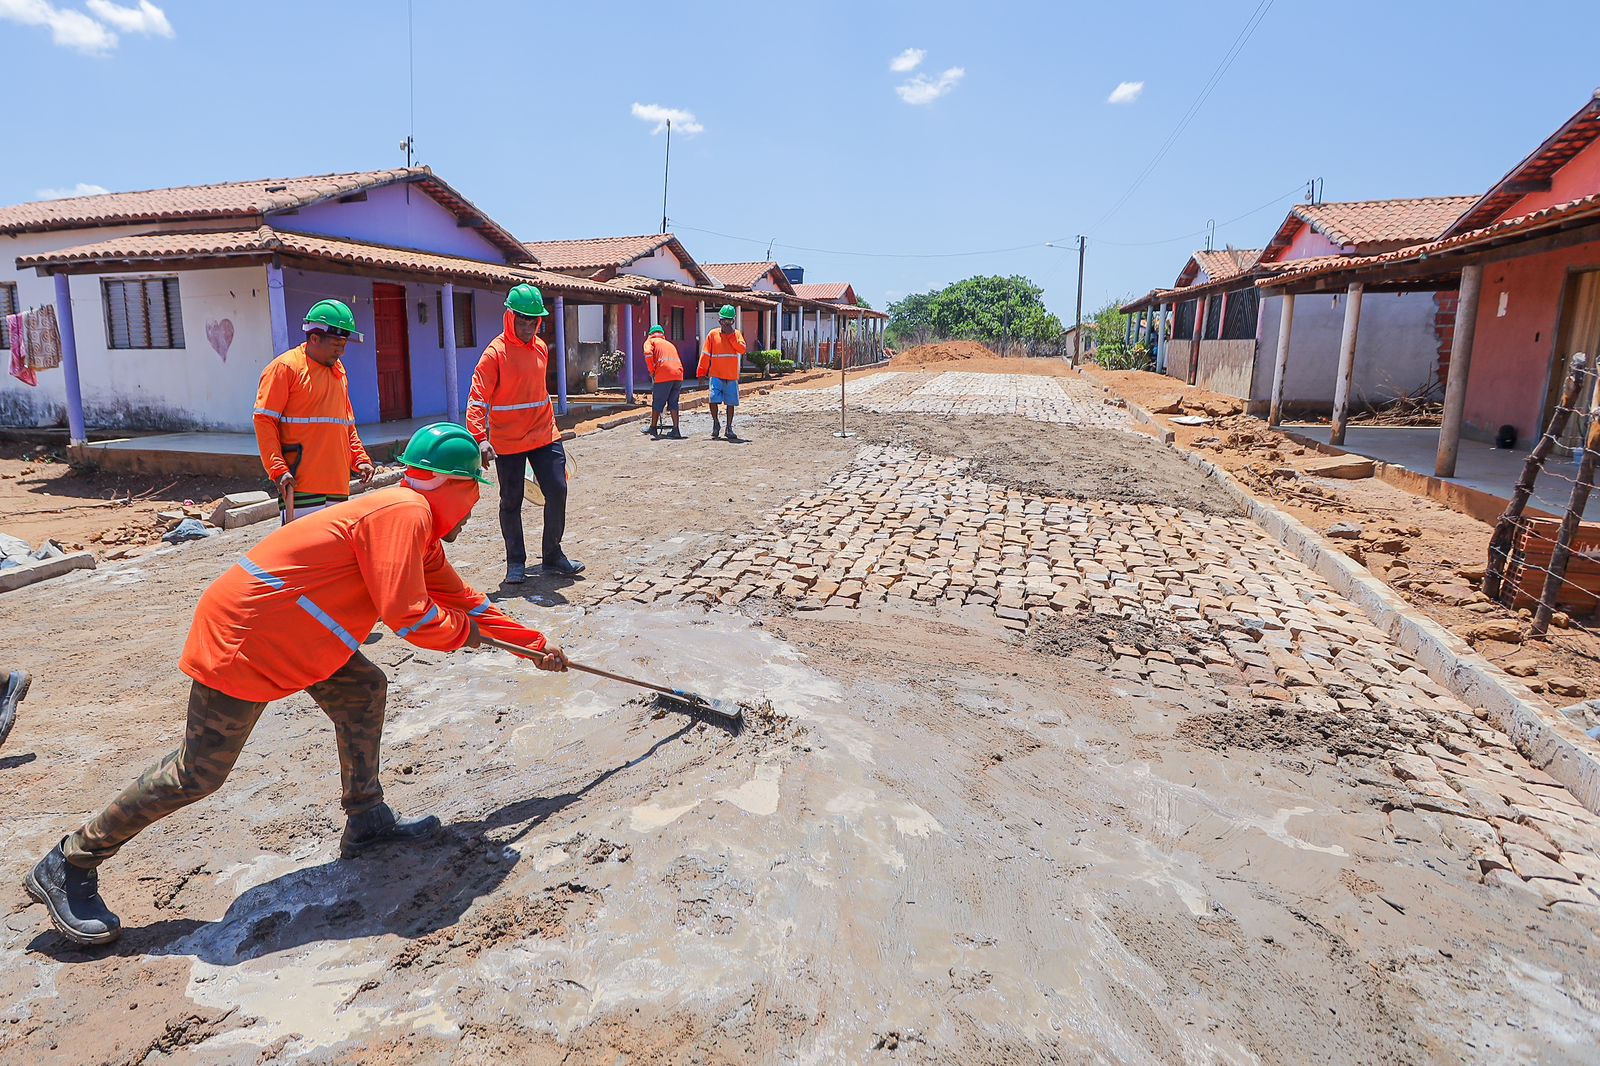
x: 806, y: 141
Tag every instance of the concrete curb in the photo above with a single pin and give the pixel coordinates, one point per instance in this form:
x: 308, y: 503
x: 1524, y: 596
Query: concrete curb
x: 1549, y: 740
x: 19, y: 577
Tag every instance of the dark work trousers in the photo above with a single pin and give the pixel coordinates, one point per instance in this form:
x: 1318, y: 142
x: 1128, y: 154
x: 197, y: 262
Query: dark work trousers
x: 550, y: 471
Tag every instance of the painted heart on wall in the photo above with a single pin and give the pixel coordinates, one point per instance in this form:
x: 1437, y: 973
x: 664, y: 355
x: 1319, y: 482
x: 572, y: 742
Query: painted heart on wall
x: 220, y: 334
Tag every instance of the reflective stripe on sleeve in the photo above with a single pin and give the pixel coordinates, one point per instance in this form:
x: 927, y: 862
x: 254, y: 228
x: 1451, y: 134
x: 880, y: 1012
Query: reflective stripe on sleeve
x: 478, y: 611
x: 432, y: 615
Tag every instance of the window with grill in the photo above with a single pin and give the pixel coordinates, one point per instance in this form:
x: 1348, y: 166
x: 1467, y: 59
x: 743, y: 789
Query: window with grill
x: 143, y: 313
x: 466, y: 321
x: 1239, y: 324
x: 677, y: 325
x: 1183, y: 322
x: 1213, y: 322
x: 8, y: 306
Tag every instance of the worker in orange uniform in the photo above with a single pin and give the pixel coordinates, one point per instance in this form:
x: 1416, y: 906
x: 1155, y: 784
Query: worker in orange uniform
x: 721, y: 356
x: 305, y: 426
x: 510, y: 414
x: 292, y: 616
x: 666, y: 376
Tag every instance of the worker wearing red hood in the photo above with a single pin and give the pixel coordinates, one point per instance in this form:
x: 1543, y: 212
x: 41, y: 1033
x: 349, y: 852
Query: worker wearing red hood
x: 510, y: 414
x: 291, y: 616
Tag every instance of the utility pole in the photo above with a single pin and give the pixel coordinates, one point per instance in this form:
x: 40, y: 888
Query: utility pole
x: 1077, y: 333
x: 666, y: 172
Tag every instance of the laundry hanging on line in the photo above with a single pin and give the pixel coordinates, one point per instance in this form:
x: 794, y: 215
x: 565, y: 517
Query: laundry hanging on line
x: 35, y: 343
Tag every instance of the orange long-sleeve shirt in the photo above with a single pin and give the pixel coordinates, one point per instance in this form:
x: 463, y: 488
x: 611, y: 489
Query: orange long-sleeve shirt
x: 721, y: 355
x: 661, y: 357
x: 302, y: 403
x: 509, y: 405
x: 294, y: 610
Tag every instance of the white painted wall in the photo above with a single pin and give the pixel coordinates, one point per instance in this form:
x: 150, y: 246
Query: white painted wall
x: 1396, y: 347
x: 189, y: 388
x: 662, y: 265
x: 591, y: 324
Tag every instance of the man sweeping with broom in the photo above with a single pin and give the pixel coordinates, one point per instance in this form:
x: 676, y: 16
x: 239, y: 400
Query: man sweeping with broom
x: 291, y: 616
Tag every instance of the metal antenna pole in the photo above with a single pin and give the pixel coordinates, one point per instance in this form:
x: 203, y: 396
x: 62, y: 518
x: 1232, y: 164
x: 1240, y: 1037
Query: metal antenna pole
x: 1077, y: 332
x: 666, y: 172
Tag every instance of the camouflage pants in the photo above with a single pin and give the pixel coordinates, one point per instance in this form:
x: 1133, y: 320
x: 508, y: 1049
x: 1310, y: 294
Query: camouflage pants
x: 218, y: 726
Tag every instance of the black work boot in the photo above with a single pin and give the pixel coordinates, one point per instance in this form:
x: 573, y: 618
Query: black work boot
x: 564, y: 567
x: 72, y: 895
x: 380, y: 824
x: 731, y: 438
x: 516, y: 574
x: 716, y: 430
x: 16, y: 688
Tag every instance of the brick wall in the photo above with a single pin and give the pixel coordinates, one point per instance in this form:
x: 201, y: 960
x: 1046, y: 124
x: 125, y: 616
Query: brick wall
x: 1444, y: 328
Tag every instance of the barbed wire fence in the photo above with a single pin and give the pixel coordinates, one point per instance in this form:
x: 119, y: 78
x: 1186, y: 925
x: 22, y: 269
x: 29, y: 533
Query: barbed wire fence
x: 1553, y: 564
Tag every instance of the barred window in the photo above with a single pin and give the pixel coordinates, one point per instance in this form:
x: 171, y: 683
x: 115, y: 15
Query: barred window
x: 1183, y: 322
x: 1240, y: 322
x: 466, y: 321
x: 8, y: 306
x: 143, y: 313
x: 1213, y: 324
x: 677, y: 325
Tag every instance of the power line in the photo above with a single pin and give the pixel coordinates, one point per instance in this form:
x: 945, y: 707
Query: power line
x: 1185, y: 236
x: 1232, y: 53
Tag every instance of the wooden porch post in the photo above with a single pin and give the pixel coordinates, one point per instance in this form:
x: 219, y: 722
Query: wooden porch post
x: 800, y: 338
x: 1199, y: 330
x: 1280, y: 366
x: 452, y: 381
x: 700, y: 334
x: 655, y: 312
x: 1455, y: 387
x: 1347, y: 361
x: 816, y: 350
x: 561, y: 355
x: 69, y: 359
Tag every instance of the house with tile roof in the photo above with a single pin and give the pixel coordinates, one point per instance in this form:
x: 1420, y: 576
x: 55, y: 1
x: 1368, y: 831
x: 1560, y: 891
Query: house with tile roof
x: 681, y: 295
x: 171, y: 301
x: 1522, y: 264
x: 812, y: 324
x: 1223, y: 330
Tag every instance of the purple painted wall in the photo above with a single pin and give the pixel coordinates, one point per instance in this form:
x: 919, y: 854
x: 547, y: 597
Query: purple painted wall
x: 387, y: 216
x: 301, y: 289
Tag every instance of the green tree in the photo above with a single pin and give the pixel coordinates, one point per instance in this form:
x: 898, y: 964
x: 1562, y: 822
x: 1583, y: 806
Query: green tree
x: 1110, y: 328
x: 990, y: 309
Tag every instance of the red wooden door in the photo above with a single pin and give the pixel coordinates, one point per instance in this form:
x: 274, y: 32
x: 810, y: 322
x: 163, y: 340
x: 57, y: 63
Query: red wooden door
x: 394, y: 351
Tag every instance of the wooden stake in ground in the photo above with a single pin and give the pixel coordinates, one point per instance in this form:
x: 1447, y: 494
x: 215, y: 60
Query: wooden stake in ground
x: 1559, y: 558
x: 1505, y: 530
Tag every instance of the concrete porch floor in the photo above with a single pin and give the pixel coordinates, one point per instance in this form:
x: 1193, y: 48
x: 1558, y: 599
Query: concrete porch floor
x: 226, y: 454
x: 1479, y: 465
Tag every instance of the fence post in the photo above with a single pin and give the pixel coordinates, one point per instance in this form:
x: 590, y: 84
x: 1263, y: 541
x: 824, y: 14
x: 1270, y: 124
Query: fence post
x: 1505, y: 530
x: 1557, y: 575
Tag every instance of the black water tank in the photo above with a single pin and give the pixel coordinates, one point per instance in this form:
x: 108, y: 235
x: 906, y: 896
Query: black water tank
x: 795, y: 274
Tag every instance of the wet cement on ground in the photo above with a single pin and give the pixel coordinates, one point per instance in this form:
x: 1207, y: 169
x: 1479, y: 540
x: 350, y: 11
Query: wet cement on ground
x: 952, y: 846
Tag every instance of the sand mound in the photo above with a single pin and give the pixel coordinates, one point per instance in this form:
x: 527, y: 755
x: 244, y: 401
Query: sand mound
x: 943, y: 352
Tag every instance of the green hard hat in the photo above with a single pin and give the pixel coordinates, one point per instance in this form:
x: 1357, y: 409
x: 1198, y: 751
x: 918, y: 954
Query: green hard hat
x: 445, y: 448
x: 656, y: 329
x: 526, y: 300
x: 727, y: 312
x: 334, y: 317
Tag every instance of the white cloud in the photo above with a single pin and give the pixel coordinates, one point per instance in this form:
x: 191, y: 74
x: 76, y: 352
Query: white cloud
x: 907, y: 61
x: 682, y: 121
x: 83, y: 188
x: 1126, y: 92
x: 69, y: 29
x: 93, y: 35
x: 925, y: 90
x: 147, y: 18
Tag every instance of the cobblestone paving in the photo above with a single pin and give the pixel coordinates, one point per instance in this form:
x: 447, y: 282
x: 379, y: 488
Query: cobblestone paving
x: 1066, y: 401
x: 1186, y: 605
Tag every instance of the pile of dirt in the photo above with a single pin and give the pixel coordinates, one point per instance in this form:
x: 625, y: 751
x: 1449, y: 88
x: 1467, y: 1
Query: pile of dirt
x: 943, y: 352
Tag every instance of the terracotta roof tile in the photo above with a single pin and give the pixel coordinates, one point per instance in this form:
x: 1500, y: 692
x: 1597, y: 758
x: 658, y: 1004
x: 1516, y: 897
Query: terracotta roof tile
x: 1370, y: 226
x: 1221, y: 263
x: 741, y: 275
x: 264, y: 241
x: 823, y: 290
x: 610, y: 253
x: 1581, y: 209
x: 236, y: 200
x: 1534, y: 172
x: 713, y: 297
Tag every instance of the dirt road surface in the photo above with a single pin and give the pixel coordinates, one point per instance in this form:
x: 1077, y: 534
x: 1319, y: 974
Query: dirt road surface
x: 1065, y: 761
